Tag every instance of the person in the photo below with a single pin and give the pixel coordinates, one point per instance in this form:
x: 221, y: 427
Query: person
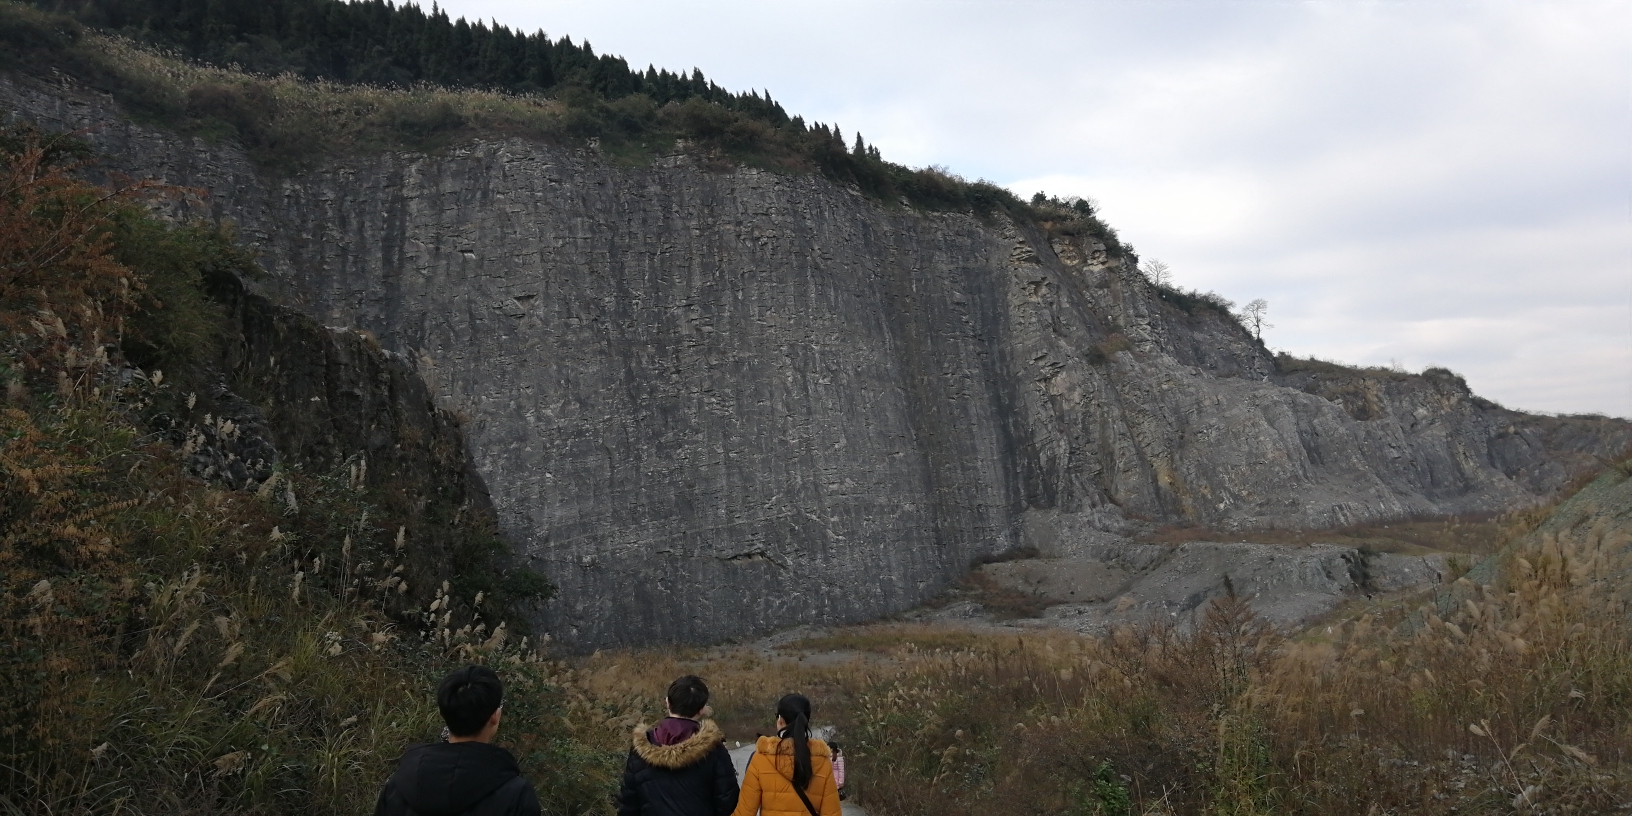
x: 790, y: 774
x: 681, y: 767
x: 467, y: 775
x: 838, y: 766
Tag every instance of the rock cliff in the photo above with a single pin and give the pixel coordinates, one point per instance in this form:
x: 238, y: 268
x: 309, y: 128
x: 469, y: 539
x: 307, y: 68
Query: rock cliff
x: 710, y: 403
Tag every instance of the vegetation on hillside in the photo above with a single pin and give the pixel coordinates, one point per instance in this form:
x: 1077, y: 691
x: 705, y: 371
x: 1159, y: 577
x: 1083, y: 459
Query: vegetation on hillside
x: 293, y: 81
x: 382, y: 43
x: 172, y: 646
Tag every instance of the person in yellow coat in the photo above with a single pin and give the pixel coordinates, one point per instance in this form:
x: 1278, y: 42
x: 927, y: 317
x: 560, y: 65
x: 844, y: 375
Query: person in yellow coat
x: 790, y: 774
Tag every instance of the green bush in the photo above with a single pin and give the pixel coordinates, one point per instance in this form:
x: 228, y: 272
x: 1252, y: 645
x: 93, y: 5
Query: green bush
x: 1192, y: 302
x: 177, y: 322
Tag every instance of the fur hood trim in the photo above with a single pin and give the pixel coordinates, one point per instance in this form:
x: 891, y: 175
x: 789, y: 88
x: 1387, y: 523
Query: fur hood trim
x: 776, y: 745
x: 685, y: 753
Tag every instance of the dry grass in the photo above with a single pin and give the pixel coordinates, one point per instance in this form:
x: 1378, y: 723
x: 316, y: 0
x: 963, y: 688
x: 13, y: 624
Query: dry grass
x: 745, y: 684
x: 1514, y: 696
x: 891, y: 639
x: 1473, y: 535
x: 287, y: 123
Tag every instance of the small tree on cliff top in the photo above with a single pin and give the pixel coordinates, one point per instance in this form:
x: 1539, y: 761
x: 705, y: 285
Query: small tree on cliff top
x: 1255, y: 316
x: 1159, y: 273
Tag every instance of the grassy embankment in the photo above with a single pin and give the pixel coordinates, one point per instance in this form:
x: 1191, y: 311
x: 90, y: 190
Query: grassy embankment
x: 1511, y: 695
x: 171, y: 646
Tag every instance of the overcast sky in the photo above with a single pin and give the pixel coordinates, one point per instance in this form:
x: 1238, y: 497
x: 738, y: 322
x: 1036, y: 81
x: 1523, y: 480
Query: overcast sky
x: 1414, y: 183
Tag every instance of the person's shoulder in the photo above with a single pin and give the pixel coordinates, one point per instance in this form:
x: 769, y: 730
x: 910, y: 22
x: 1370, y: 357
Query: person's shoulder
x: 520, y: 799
x: 407, y: 763
x: 777, y: 745
x: 497, y: 752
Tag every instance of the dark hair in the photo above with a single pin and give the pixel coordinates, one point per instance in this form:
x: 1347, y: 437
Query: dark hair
x: 467, y: 698
x: 687, y: 695
x: 794, y: 709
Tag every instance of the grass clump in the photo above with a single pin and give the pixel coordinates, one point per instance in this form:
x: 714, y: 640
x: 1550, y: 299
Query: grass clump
x: 1103, y: 352
x: 169, y: 645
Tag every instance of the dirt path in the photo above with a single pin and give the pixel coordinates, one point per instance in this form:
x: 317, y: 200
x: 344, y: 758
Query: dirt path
x: 741, y: 755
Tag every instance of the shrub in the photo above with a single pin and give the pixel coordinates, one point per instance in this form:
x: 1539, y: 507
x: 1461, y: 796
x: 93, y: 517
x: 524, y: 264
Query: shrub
x: 1192, y: 302
x: 1104, y: 351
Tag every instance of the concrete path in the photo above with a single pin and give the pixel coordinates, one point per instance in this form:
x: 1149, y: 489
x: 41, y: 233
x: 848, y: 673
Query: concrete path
x: 742, y: 754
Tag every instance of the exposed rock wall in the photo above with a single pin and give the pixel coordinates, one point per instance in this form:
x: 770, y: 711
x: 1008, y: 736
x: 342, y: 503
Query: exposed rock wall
x: 279, y: 390
x: 712, y: 403
x: 332, y: 401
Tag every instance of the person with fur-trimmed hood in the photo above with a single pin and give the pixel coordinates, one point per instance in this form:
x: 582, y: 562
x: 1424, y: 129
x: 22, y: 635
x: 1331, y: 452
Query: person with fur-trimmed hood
x: 681, y: 767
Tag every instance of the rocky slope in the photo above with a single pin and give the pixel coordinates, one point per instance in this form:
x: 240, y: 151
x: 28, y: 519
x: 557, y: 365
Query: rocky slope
x: 709, y: 403
x: 1105, y: 586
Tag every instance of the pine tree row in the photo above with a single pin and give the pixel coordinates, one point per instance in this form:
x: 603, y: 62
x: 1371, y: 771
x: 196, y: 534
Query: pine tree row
x: 380, y: 42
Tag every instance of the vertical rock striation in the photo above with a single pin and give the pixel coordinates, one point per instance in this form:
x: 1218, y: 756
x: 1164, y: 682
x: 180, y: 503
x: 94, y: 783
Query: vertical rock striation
x: 709, y: 403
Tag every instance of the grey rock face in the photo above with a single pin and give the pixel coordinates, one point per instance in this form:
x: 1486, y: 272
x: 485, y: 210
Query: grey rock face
x: 708, y: 404
x: 1286, y: 586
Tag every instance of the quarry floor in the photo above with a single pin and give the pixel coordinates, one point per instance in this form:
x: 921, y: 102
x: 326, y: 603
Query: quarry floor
x: 1091, y: 589
x: 1095, y: 587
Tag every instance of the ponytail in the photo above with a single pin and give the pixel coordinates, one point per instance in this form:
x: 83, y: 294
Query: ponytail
x: 794, y: 709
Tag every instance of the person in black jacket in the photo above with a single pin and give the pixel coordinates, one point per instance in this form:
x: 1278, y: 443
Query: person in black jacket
x: 681, y: 767
x: 467, y: 775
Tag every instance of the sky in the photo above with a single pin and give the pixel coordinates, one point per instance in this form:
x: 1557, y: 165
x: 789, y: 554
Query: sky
x: 1408, y: 184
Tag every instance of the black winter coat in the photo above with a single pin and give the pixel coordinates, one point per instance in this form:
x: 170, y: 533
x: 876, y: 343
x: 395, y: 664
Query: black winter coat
x: 457, y: 779
x: 693, y: 777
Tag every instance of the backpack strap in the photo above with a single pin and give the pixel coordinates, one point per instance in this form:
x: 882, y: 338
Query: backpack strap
x: 806, y: 799
x: 802, y: 797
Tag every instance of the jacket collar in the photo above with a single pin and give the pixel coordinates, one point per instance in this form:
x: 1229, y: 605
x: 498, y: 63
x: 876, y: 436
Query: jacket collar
x: 682, y: 754
x: 779, y: 745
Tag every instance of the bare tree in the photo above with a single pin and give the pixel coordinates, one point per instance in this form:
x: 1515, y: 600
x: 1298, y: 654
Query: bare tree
x: 1255, y: 315
x: 1159, y: 274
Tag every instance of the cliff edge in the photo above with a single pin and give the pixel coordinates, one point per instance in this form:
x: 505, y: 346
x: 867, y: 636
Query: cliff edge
x: 708, y: 403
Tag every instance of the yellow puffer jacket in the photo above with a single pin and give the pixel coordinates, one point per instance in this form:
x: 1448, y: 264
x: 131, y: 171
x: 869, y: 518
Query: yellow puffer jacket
x: 767, y: 785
